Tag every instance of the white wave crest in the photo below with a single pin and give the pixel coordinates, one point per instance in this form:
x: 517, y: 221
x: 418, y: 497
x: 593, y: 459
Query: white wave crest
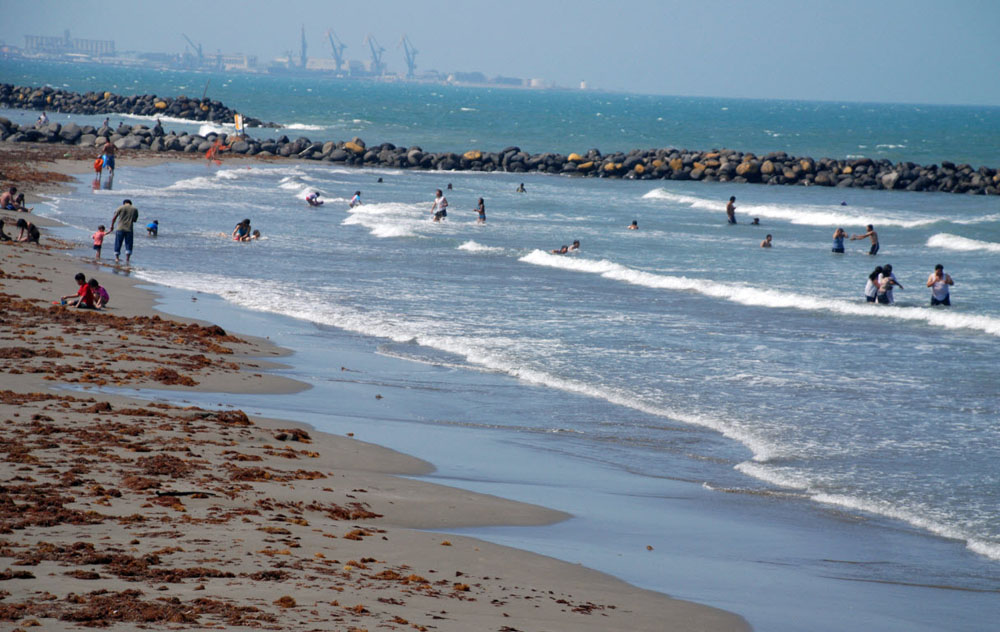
x: 211, y: 128
x: 956, y: 242
x: 473, y: 246
x: 748, y: 295
x: 985, y: 219
x: 304, y: 126
x: 806, y: 214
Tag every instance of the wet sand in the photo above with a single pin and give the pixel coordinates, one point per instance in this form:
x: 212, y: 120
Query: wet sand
x: 129, y: 513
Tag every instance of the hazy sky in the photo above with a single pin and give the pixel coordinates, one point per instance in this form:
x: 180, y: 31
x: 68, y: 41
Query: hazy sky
x: 850, y: 50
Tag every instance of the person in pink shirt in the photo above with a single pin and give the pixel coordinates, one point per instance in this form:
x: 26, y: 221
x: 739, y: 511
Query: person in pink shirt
x: 99, y: 240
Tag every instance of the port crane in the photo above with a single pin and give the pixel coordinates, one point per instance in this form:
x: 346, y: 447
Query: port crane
x: 196, y: 48
x: 338, y: 48
x: 378, y: 68
x: 411, y: 55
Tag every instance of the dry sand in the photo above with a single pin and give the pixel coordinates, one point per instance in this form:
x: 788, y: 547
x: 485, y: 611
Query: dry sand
x: 146, y: 515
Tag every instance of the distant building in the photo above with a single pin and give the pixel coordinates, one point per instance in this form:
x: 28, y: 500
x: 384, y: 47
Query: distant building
x: 34, y: 44
x: 467, y: 77
x: 583, y: 85
x: 507, y: 81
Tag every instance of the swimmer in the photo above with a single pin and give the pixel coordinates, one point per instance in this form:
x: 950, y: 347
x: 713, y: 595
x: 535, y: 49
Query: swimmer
x: 440, y: 207
x: 938, y: 281
x: 871, y: 234
x: 838, y: 240
x: 313, y: 199
x: 731, y: 210
x: 379, y: 180
x: 756, y: 221
x: 766, y: 243
x: 576, y: 245
x: 255, y: 235
x: 242, y: 231
x: 449, y: 186
x: 520, y: 188
x: 560, y: 251
x: 634, y: 225
x: 356, y: 200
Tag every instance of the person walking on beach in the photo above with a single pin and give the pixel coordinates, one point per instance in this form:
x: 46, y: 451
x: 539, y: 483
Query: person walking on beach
x: 108, y: 157
x: 731, y: 210
x: 871, y: 234
x: 125, y: 217
x: 938, y: 281
x: 481, y: 209
x: 838, y: 240
x: 440, y: 207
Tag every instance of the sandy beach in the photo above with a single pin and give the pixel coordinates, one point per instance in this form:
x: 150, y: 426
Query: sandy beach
x: 121, y: 512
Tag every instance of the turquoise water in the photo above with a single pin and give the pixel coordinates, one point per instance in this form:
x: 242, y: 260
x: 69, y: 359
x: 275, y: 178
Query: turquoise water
x: 853, y: 446
x: 442, y: 118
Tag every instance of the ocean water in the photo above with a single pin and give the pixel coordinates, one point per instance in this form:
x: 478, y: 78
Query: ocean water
x: 681, y: 354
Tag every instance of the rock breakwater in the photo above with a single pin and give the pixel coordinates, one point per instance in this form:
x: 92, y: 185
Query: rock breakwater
x: 55, y: 100
x: 723, y: 165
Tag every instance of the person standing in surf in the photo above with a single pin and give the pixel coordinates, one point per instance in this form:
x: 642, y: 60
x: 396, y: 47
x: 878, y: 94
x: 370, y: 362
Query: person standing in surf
x: 871, y: 234
x: 938, y: 281
x: 838, y: 240
x: 886, y: 281
x: 481, y: 209
x: 731, y: 210
x: 440, y: 207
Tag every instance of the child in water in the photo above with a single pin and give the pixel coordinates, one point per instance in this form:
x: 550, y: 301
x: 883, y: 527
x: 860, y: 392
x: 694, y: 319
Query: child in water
x: 98, y: 238
x: 153, y: 228
x: 313, y: 199
x: 356, y: 200
x: 634, y: 225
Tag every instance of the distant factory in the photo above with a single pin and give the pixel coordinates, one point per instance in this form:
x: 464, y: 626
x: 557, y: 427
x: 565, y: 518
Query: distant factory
x: 332, y: 64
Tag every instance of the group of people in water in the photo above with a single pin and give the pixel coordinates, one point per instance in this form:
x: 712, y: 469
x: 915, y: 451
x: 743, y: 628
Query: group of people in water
x: 881, y: 281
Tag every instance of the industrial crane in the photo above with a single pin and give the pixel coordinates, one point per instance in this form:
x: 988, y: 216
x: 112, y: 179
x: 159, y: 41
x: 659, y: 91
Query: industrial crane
x: 196, y: 48
x: 378, y: 68
x: 411, y: 55
x: 338, y: 48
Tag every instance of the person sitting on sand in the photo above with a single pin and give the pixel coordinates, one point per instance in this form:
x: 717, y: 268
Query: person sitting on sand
x: 7, y: 199
x: 766, y: 243
x: 242, y: 231
x: 634, y: 225
x: 153, y: 228
x: 560, y: 251
x: 356, y: 200
x: 313, y: 199
x: 101, y: 296
x: 3, y: 236
x: 84, y: 296
x: 29, y: 232
x: 871, y: 234
x: 19, y: 204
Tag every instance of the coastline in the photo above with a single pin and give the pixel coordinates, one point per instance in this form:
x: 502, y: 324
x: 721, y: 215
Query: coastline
x: 418, y: 576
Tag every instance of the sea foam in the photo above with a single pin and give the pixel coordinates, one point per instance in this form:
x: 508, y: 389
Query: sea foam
x: 956, y: 242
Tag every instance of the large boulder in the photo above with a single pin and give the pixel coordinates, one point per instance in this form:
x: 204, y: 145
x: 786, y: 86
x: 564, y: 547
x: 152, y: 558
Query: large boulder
x: 890, y: 180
